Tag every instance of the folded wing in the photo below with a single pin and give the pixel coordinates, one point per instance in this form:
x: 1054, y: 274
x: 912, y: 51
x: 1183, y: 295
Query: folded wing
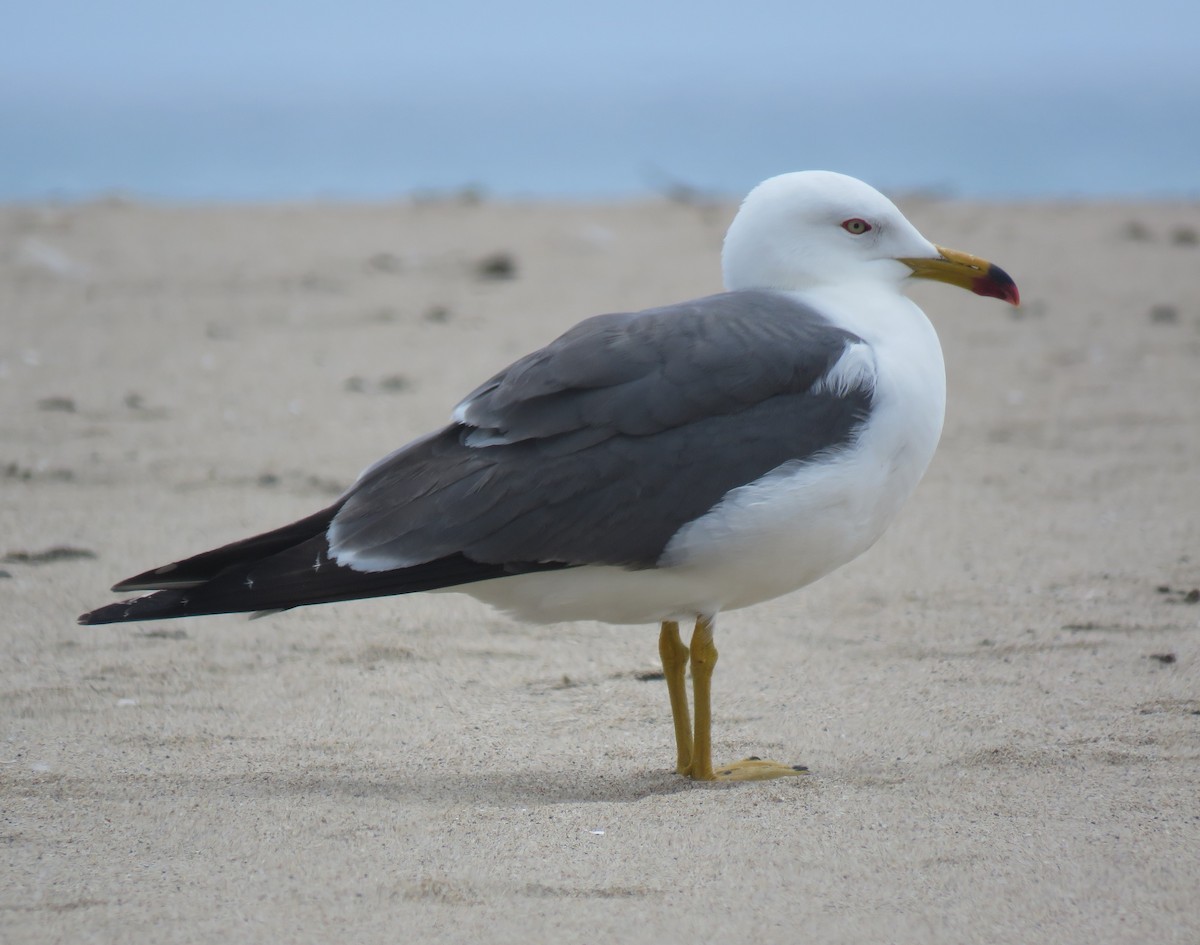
x: 596, y: 449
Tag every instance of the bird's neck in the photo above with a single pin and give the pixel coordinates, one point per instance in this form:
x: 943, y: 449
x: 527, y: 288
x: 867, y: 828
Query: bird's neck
x: 874, y: 311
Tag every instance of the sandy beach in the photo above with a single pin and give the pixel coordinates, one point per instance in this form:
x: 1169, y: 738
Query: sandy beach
x: 999, y: 703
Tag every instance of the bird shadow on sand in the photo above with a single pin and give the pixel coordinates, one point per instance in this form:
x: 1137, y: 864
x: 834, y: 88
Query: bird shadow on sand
x: 521, y: 787
x: 362, y: 786
x: 529, y: 787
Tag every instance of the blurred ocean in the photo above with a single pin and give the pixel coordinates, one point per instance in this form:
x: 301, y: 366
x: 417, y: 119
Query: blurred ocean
x: 1039, y: 143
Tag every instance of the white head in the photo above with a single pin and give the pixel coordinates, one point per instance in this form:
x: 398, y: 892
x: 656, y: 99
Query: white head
x: 817, y: 228
x: 811, y: 228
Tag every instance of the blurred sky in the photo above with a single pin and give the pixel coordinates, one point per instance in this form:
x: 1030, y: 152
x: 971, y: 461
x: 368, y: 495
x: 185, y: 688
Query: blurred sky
x: 866, y: 71
x: 227, y: 48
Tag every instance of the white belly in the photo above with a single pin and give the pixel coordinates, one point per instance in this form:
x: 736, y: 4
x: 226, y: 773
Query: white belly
x: 771, y: 537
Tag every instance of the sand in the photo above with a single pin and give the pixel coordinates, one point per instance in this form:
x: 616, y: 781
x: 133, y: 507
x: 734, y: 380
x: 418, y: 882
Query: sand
x: 999, y: 703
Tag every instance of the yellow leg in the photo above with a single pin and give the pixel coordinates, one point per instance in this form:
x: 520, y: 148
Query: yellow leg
x: 674, y: 657
x: 704, y: 661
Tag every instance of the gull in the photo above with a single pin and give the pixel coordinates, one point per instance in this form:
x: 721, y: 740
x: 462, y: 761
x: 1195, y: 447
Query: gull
x: 653, y: 467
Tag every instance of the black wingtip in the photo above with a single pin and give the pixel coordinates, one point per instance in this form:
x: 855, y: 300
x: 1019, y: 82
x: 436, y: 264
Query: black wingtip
x: 160, y: 605
x: 94, y: 618
x: 158, y: 579
x: 119, y: 612
x: 144, y: 583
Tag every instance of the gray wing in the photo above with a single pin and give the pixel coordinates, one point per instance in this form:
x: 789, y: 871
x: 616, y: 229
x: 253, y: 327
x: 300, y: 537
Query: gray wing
x: 599, y: 447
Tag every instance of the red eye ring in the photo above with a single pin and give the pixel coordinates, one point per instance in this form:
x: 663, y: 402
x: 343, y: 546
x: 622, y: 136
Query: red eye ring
x: 856, y: 226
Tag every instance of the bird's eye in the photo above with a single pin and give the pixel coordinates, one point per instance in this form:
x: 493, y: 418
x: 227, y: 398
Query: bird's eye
x: 856, y: 226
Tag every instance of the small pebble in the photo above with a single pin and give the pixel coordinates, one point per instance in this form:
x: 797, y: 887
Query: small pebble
x: 1164, y: 315
x: 497, y: 266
